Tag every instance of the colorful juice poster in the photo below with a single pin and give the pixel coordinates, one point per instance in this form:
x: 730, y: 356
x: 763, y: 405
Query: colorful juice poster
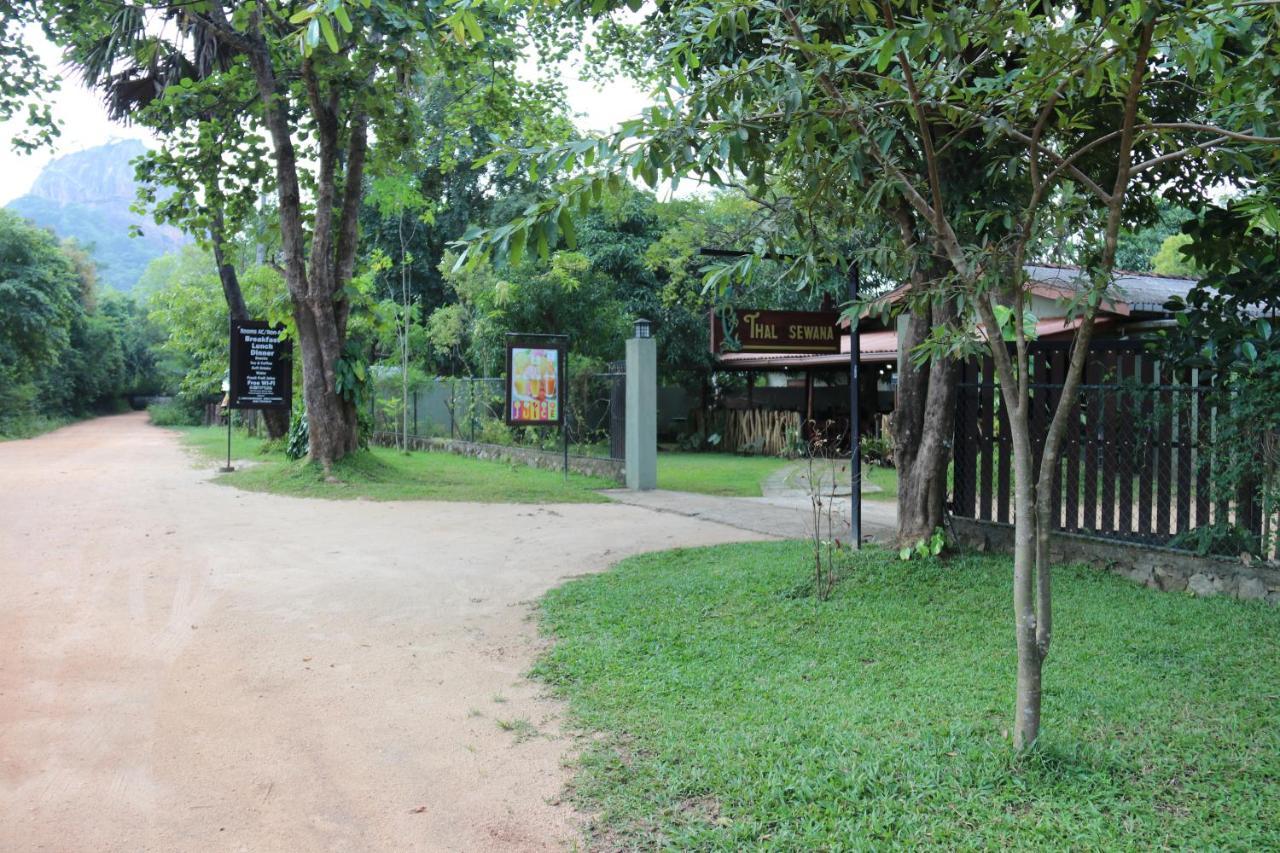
x: 535, y: 392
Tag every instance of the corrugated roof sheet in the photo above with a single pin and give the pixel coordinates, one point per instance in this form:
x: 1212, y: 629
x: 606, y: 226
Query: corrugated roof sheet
x: 1142, y: 291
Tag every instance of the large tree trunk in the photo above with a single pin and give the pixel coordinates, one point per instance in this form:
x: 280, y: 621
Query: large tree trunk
x: 924, y: 413
x: 923, y: 420
x: 319, y: 309
x: 277, y: 420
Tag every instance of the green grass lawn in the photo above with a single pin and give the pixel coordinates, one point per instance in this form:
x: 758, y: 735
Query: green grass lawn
x: 388, y: 475
x: 885, y: 478
x: 736, y: 476
x: 739, y: 712
x: 716, y: 473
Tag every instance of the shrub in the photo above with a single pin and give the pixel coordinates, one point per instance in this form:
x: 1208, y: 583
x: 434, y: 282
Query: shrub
x: 877, y: 450
x: 179, y: 411
x: 298, y: 443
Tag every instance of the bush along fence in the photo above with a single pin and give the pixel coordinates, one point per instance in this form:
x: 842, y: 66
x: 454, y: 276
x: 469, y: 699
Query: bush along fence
x: 1153, y: 455
x: 465, y: 415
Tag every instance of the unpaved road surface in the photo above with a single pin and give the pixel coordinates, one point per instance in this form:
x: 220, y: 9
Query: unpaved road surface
x: 188, y: 667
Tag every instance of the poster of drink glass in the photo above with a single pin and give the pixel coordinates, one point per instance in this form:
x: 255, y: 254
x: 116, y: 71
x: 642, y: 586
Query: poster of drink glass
x: 534, y: 394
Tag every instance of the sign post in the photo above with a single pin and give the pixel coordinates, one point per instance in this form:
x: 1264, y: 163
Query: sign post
x: 537, y: 391
x: 855, y: 420
x: 226, y: 391
x: 261, y: 375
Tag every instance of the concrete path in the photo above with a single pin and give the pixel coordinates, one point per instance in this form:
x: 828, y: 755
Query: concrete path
x: 188, y: 667
x: 787, y: 515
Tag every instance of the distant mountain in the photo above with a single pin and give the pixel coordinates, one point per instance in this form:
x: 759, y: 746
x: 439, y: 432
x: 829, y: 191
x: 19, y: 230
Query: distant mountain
x: 86, y: 196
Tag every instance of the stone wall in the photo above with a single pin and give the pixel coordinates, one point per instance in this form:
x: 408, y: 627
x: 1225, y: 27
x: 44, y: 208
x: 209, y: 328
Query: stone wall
x: 591, y: 466
x: 1158, y: 568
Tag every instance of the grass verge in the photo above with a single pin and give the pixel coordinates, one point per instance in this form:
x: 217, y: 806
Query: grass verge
x: 387, y: 475
x: 716, y: 473
x: 739, y: 712
x: 32, y: 427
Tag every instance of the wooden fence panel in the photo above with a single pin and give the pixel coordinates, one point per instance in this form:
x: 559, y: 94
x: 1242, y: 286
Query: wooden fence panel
x: 1204, y: 454
x: 1092, y: 449
x: 1109, y: 456
x: 1183, y: 437
x: 986, y: 435
x: 1125, y: 446
x: 1164, y: 455
x: 1136, y: 456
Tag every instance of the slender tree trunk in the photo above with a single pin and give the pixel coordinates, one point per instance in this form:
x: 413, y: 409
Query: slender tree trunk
x: 1026, y: 724
x: 404, y: 337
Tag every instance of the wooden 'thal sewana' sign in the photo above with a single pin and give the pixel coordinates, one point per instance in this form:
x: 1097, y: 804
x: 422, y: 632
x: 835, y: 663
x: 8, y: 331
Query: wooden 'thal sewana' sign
x: 751, y: 330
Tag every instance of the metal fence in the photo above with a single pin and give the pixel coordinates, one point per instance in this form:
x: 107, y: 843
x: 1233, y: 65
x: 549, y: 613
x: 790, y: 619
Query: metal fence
x: 1139, y: 461
x: 471, y: 409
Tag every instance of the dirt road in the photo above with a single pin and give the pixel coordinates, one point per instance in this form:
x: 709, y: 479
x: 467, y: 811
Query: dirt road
x: 184, y: 666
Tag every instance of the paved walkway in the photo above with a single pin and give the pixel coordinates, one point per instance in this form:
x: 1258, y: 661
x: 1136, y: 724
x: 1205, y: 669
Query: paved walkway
x: 788, y: 515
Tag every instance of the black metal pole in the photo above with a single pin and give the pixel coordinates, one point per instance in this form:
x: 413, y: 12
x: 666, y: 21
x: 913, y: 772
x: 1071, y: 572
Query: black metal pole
x: 564, y: 401
x: 855, y: 427
x: 228, y: 439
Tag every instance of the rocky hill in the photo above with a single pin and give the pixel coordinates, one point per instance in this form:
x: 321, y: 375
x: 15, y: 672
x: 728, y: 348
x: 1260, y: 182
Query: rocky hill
x: 86, y: 196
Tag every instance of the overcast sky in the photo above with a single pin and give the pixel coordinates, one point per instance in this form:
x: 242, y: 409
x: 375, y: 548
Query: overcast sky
x: 85, y: 124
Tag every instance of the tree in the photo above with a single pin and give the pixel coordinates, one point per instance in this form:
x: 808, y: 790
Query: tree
x: 317, y: 109
x: 39, y: 294
x: 25, y: 84
x: 184, y: 298
x: 207, y: 149
x: 66, y: 350
x: 908, y: 109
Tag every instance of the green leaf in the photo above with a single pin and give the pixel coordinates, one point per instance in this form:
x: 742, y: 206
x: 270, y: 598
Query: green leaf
x: 565, y: 221
x: 329, y: 35
x: 344, y: 20
x: 516, y: 251
x: 473, y: 27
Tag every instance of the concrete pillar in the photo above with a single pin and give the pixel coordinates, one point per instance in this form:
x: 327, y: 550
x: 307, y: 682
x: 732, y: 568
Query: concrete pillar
x: 642, y: 413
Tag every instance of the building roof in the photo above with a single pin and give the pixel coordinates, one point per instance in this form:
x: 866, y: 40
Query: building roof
x: 1138, y: 291
x: 1129, y: 292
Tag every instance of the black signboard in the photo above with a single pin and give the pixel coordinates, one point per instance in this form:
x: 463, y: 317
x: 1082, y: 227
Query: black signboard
x: 536, y: 372
x: 261, y: 366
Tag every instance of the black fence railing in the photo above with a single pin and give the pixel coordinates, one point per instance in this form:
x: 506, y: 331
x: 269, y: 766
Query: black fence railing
x: 471, y: 409
x: 1140, y: 461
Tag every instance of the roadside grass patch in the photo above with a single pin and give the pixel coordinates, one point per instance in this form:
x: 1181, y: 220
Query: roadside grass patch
x: 15, y: 429
x: 716, y: 473
x: 383, y: 474
x: 210, y: 444
x: 885, y: 478
x: 736, y: 712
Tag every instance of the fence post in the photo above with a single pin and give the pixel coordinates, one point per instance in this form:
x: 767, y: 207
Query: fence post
x: 415, y: 412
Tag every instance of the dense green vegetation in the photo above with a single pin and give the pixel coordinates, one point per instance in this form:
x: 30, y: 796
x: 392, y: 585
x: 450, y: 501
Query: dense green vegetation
x: 388, y: 475
x: 67, y: 349
x: 736, y: 711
